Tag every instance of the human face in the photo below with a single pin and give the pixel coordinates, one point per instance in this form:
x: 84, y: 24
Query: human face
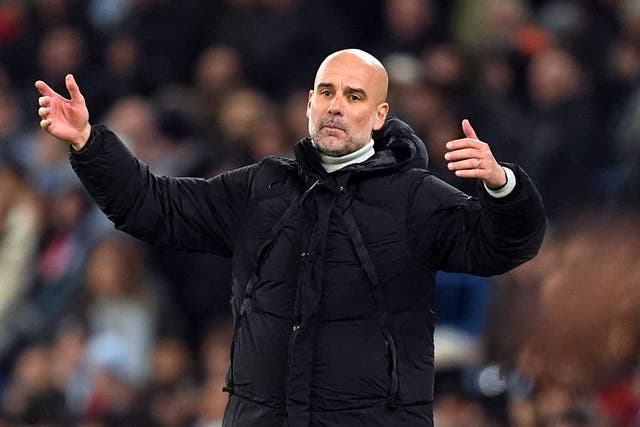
x: 347, y: 103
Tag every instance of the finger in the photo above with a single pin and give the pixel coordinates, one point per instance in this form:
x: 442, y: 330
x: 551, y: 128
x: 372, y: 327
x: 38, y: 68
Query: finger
x: 461, y: 154
x: 44, y: 124
x: 44, y: 101
x: 44, y: 88
x: 468, y: 130
x: 470, y: 173
x: 461, y: 143
x: 465, y: 164
x: 72, y: 87
x: 44, y: 111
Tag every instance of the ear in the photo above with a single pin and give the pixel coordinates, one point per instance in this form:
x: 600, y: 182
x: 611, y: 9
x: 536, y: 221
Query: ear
x: 309, y: 103
x: 381, y: 115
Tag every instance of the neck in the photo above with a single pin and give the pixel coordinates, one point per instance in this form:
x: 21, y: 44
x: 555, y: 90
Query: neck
x: 333, y: 163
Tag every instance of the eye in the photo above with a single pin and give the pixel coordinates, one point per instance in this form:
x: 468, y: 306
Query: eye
x: 354, y: 97
x: 325, y: 92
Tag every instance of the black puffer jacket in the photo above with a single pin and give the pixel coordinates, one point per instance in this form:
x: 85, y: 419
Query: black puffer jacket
x: 333, y: 274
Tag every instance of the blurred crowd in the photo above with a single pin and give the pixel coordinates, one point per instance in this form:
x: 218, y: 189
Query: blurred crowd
x: 97, y: 329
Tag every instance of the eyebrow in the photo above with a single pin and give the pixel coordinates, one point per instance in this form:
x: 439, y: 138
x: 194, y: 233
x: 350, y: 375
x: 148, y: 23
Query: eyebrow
x: 349, y: 89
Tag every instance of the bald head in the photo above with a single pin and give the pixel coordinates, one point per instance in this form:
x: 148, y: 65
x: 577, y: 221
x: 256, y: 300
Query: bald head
x: 358, y: 61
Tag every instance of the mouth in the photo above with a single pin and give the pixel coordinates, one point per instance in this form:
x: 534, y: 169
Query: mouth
x: 333, y: 128
x: 333, y: 125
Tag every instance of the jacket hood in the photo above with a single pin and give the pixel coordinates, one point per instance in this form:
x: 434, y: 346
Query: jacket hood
x: 398, y: 139
x: 396, y: 146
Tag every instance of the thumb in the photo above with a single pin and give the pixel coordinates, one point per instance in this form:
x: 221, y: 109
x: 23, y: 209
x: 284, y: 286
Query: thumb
x: 72, y: 87
x: 468, y: 130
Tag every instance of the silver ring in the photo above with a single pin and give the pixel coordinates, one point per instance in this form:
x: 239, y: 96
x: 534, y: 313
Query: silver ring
x: 479, y: 162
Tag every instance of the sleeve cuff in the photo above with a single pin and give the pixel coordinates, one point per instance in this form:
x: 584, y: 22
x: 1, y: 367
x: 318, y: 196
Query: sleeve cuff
x: 507, y: 188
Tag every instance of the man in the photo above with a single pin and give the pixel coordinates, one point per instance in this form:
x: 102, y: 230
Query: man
x: 334, y: 253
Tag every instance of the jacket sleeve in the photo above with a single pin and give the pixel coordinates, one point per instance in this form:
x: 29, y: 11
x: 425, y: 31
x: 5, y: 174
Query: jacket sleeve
x: 191, y: 214
x: 458, y: 233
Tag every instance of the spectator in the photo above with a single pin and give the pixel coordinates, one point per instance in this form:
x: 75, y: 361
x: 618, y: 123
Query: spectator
x: 31, y: 397
x: 564, y: 115
x: 121, y: 303
x: 218, y: 71
x: 172, y: 394
x: 65, y: 48
x: 266, y: 32
x: 20, y: 222
x: 410, y: 27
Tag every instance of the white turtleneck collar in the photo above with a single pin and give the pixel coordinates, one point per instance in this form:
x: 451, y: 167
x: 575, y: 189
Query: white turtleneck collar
x: 332, y: 164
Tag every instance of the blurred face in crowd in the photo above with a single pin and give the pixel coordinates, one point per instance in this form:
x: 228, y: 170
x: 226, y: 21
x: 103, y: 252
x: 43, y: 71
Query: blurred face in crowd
x: 348, y: 102
x: 61, y: 51
x: 218, y: 69
x: 114, y: 270
x: 408, y: 19
x: 554, y: 77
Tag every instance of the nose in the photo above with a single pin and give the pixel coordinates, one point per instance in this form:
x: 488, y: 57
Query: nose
x: 335, y: 105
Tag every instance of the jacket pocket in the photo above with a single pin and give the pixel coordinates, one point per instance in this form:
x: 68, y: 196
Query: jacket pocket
x: 237, y: 319
x: 393, y: 365
x: 229, y: 383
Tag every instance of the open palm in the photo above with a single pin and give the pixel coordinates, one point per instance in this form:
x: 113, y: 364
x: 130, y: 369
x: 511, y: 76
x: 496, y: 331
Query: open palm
x: 65, y: 119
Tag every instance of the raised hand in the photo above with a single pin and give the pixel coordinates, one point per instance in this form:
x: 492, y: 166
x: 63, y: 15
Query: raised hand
x: 65, y: 119
x: 471, y: 158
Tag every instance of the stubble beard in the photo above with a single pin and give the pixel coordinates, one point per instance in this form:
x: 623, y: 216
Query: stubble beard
x: 326, y: 148
x: 348, y: 145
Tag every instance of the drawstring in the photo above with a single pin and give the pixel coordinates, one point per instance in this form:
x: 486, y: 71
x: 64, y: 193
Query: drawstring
x: 262, y: 251
x: 378, y: 296
x: 261, y: 254
x: 304, y: 196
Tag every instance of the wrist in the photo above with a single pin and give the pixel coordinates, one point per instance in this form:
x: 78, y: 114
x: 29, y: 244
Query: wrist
x: 507, y: 188
x: 82, y: 139
x: 501, y: 183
